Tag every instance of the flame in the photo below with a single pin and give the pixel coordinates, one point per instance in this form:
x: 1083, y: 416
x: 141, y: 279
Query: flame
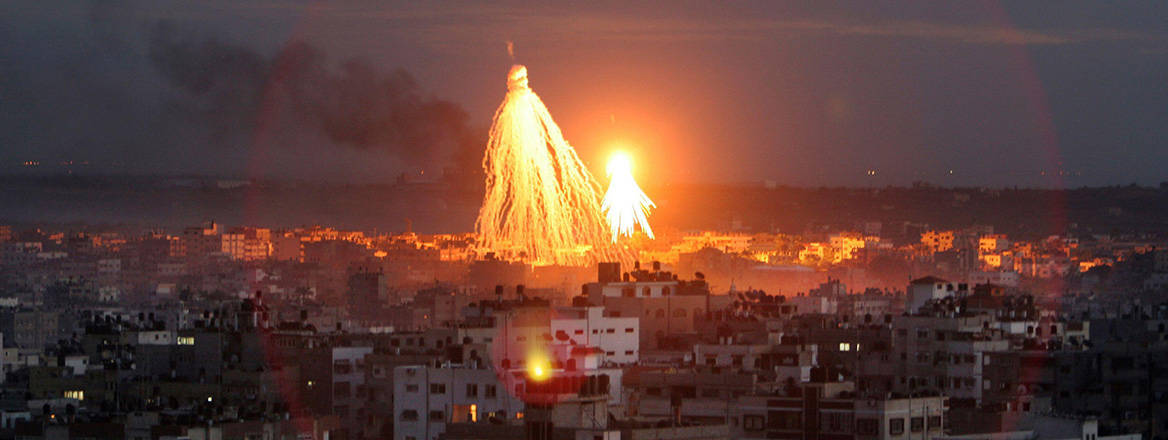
x: 625, y: 205
x: 542, y: 204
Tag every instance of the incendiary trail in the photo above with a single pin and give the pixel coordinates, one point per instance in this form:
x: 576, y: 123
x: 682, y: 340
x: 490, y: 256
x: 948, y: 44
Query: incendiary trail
x: 625, y: 205
x: 541, y: 203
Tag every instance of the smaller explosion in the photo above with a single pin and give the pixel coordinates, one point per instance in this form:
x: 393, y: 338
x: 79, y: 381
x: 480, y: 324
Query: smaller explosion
x: 625, y: 205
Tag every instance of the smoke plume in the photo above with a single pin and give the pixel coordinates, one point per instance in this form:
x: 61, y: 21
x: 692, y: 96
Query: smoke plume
x: 166, y: 99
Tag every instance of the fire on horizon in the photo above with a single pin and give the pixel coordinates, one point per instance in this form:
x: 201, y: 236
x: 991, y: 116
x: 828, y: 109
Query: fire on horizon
x: 541, y: 205
x: 625, y: 204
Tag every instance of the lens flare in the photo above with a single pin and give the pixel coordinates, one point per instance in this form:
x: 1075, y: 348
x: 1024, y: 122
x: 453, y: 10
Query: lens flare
x: 625, y: 205
x: 541, y: 203
x: 538, y: 368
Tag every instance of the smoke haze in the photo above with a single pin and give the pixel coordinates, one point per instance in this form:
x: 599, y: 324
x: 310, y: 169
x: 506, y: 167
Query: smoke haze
x: 161, y: 98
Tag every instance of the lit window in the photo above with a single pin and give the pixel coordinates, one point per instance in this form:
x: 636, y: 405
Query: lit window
x: 845, y: 346
x: 75, y: 394
x: 519, y: 415
x: 186, y: 340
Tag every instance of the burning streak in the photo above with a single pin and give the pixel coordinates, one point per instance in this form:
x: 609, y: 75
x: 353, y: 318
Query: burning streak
x: 625, y: 205
x: 541, y: 203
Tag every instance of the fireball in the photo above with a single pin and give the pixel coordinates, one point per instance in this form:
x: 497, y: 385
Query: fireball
x: 625, y: 206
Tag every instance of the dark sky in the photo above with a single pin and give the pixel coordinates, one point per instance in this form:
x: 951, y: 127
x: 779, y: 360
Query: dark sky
x: 854, y: 93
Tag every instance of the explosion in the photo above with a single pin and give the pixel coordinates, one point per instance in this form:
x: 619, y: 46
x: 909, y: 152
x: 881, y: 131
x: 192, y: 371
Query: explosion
x: 625, y: 205
x: 541, y: 203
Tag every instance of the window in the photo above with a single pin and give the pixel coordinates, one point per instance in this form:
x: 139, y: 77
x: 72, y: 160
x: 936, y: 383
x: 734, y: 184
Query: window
x: 917, y: 424
x: 186, y: 340
x: 867, y: 426
x: 629, y: 330
x: 845, y: 346
x: 437, y: 416
x: 836, y: 422
x: 629, y: 352
x: 578, y: 332
x: 75, y: 394
x: 896, y: 426
x: 610, y: 331
x: 409, y: 415
x: 753, y: 423
x: 341, y: 390
x: 934, y: 421
x: 412, y: 388
x: 437, y: 388
x: 489, y: 392
x: 472, y: 390
x: 785, y: 420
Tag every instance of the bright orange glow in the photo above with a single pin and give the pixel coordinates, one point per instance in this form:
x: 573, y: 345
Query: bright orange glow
x: 541, y: 204
x: 538, y: 369
x: 625, y: 205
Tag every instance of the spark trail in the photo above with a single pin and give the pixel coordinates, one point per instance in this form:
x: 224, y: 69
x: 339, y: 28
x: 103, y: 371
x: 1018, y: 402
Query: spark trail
x: 541, y: 203
x: 625, y: 205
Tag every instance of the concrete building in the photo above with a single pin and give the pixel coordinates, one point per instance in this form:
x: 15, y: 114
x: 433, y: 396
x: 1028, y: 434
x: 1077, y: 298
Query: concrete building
x: 832, y: 410
x: 426, y: 398
x: 922, y: 290
x: 618, y: 337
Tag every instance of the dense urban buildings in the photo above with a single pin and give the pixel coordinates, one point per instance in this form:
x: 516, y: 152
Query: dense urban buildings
x: 750, y: 220
x: 252, y: 332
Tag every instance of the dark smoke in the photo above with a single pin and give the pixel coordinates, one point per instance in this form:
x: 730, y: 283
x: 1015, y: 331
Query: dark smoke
x: 160, y: 98
x: 234, y: 89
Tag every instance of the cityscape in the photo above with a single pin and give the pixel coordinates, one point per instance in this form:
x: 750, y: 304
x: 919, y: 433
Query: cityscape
x: 355, y: 221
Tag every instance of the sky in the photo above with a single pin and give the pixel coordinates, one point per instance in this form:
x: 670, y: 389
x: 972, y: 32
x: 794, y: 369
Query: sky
x: 855, y: 93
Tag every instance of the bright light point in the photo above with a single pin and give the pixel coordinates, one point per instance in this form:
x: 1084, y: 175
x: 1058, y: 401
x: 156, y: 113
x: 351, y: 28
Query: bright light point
x: 625, y: 205
x: 537, y: 370
x: 619, y: 163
